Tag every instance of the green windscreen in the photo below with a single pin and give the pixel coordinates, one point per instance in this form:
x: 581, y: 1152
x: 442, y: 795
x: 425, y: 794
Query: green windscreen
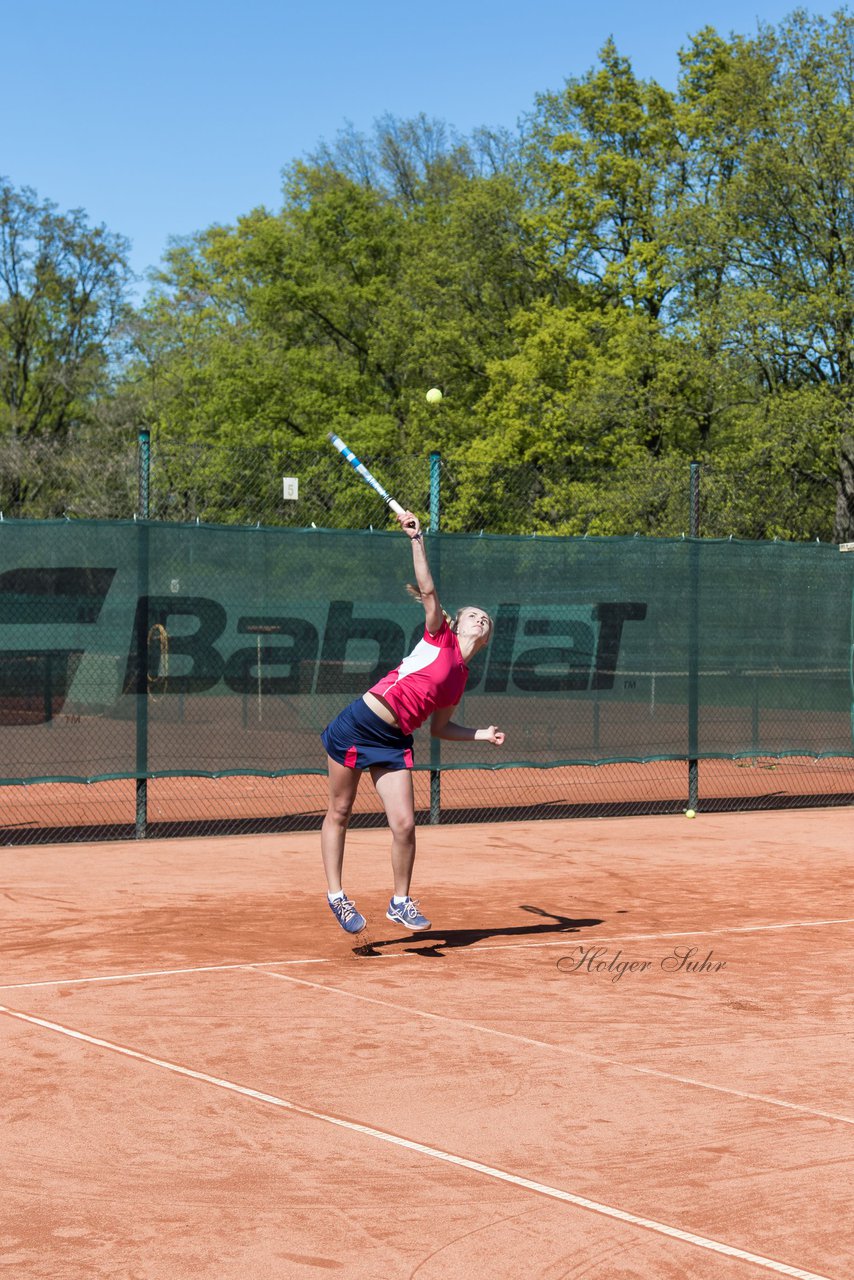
x: 146, y: 649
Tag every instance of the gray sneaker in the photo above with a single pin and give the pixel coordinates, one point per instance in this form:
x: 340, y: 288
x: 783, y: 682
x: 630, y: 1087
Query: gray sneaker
x: 407, y: 914
x: 344, y: 911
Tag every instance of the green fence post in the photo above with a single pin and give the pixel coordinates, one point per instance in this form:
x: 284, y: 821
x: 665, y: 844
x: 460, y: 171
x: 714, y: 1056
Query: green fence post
x: 694, y: 644
x: 143, y: 512
x: 435, y: 556
x: 143, y: 473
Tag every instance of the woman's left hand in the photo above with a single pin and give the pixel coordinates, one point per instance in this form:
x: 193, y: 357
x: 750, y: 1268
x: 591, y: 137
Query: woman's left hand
x: 492, y: 734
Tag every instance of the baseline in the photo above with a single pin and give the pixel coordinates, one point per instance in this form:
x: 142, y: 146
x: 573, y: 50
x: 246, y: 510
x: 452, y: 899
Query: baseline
x: 149, y: 973
x: 474, y: 950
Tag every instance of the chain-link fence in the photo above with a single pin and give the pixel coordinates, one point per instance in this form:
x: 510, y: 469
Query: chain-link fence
x: 160, y: 678
x: 55, y: 812
x: 98, y: 477
x: 82, y: 477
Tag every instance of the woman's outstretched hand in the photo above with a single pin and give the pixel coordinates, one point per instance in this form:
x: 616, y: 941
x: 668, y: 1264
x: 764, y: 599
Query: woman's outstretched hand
x: 410, y: 524
x: 492, y: 734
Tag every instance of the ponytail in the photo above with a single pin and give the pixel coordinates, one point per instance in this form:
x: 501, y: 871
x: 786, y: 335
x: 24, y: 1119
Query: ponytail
x: 416, y: 595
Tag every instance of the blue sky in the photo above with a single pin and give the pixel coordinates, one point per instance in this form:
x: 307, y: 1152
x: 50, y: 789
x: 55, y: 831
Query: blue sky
x: 162, y: 118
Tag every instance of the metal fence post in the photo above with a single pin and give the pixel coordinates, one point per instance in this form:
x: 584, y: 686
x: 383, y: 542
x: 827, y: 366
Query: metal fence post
x: 143, y: 512
x: 435, y: 744
x: 693, y: 644
x: 143, y: 477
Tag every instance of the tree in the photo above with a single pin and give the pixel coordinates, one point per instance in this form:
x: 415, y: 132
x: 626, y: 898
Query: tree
x: 410, y: 160
x: 580, y: 422
x: 604, y: 160
x: 62, y: 303
x: 62, y: 310
x: 774, y: 476
x: 772, y: 119
x: 726, y: 214
x: 340, y: 311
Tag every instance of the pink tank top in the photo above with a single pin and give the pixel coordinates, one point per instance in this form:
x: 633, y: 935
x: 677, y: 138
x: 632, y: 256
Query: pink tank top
x: 433, y: 675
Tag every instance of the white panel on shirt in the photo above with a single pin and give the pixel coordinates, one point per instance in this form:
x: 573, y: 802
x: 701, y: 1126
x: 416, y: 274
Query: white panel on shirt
x: 421, y: 657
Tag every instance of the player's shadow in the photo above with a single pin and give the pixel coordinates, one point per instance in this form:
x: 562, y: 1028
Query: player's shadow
x: 435, y: 942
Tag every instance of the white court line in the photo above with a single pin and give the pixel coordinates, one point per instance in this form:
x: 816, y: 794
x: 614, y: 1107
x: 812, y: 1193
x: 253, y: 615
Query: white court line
x: 150, y: 973
x: 555, y: 1193
x: 558, y: 1048
x: 473, y: 950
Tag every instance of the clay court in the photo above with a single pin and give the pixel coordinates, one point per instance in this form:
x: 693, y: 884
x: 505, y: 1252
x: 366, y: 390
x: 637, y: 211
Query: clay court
x: 622, y: 1051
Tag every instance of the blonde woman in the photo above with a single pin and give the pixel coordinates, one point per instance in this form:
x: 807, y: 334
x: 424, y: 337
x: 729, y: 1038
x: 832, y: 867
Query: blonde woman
x: 374, y: 734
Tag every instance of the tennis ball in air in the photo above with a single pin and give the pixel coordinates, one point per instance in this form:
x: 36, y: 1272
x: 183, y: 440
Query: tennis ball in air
x: 690, y: 813
x: 434, y: 396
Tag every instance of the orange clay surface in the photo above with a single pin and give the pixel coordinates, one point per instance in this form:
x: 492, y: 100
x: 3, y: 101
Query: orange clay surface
x: 27, y: 809
x: 203, y: 1076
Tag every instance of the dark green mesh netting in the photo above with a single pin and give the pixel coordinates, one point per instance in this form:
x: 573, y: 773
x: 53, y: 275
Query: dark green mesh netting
x: 132, y: 649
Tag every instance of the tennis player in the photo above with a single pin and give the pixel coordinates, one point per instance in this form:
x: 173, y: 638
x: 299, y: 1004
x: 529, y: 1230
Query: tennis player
x: 375, y: 734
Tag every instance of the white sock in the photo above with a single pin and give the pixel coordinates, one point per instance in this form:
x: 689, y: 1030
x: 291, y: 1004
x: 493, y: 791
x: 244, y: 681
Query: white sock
x: 334, y: 897
x: 398, y: 902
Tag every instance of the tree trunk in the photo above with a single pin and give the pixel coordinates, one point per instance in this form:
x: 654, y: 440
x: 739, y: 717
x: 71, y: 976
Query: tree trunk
x: 843, y: 530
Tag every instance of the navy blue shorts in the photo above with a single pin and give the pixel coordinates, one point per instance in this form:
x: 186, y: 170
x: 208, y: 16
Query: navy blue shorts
x: 359, y: 738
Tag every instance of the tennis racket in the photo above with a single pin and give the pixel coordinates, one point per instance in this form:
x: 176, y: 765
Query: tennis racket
x: 362, y: 470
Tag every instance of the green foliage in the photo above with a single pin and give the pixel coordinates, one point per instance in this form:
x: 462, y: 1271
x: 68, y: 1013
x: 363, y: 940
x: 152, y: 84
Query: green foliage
x: 591, y: 400
x: 772, y: 121
x: 641, y: 278
x: 773, y: 477
x: 62, y: 303
x: 338, y: 314
x: 62, y: 318
x: 605, y: 161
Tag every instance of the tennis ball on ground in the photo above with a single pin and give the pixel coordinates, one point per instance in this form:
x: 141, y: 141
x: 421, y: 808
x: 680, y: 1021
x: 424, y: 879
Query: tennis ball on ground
x: 690, y: 813
x: 434, y: 396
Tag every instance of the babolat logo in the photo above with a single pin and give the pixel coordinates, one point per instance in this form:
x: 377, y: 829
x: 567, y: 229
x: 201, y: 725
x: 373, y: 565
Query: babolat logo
x: 584, y: 653
x: 291, y: 655
x: 191, y: 644
x: 34, y: 681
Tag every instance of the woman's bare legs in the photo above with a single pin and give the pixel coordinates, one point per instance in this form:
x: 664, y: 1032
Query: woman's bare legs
x: 394, y: 787
x: 343, y: 785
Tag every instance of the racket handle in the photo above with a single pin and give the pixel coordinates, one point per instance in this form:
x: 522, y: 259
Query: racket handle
x: 396, y: 507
